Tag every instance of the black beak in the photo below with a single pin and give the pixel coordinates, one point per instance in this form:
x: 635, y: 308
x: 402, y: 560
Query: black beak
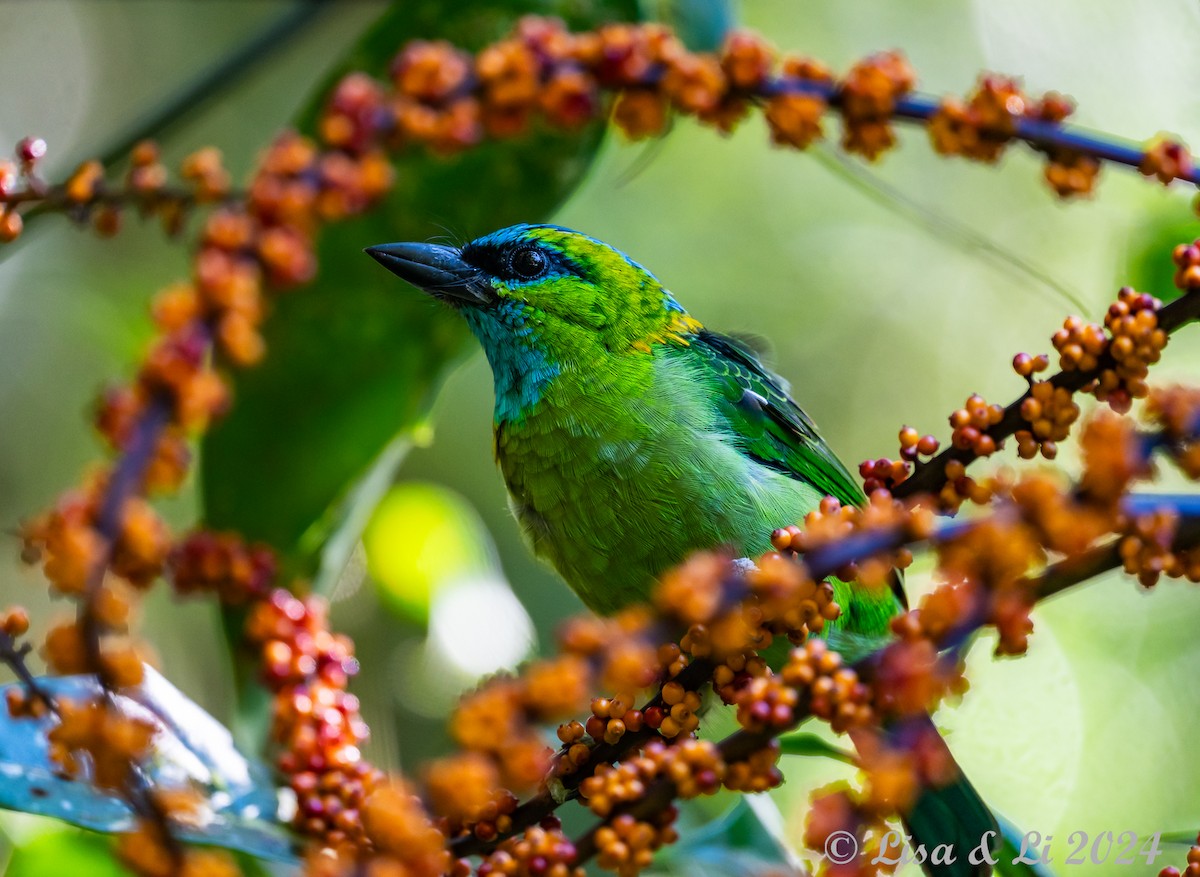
x: 437, y: 269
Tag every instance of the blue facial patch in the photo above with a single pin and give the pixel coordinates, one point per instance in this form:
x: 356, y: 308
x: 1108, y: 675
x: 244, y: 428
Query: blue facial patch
x: 520, y: 368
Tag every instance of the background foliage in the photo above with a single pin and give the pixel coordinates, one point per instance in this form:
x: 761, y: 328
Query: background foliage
x: 880, y: 310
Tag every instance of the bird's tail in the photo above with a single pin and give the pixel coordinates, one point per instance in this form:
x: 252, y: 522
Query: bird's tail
x: 948, y: 812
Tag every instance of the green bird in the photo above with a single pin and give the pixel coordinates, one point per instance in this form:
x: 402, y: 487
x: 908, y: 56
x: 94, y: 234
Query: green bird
x: 630, y: 436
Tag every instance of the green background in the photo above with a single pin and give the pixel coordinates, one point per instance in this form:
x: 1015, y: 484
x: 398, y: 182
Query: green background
x: 881, y: 311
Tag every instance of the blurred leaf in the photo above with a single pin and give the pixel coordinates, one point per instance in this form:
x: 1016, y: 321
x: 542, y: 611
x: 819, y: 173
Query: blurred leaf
x: 191, y: 749
x: 701, y: 24
x: 1187, y: 837
x: 355, y: 510
x: 745, y: 840
x: 58, y: 853
x: 355, y: 358
x: 1010, y: 849
x: 803, y: 743
x: 422, y: 537
x: 1149, y: 267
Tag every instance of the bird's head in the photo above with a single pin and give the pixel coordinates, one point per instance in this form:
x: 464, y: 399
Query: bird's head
x: 547, y: 289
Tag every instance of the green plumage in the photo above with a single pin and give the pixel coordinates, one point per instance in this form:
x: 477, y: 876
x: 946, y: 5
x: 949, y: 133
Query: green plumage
x: 653, y: 438
x: 630, y: 436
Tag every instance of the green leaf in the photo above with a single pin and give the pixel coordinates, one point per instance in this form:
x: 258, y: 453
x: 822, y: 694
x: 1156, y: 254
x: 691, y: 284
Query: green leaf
x: 190, y: 749
x: 1010, y: 850
x: 56, y: 853
x: 1149, y: 267
x: 355, y: 358
x: 803, y: 743
x: 1186, y: 837
x: 746, y: 839
x: 701, y: 24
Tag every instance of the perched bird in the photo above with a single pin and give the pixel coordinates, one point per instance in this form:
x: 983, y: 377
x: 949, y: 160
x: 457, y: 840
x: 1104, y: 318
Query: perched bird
x: 629, y: 435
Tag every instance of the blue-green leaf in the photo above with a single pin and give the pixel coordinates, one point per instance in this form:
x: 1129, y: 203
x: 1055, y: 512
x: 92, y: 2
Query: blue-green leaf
x: 804, y: 743
x: 743, y: 841
x: 190, y: 749
x: 701, y: 24
x: 1010, y: 861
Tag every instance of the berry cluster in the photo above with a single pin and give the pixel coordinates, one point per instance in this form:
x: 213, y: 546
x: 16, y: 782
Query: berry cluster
x: 983, y: 125
x: 626, y: 845
x: 465, y: 790
x: 758, y: 772
x: 883, y: 473
x: 833, y: 522
x: 1193, y: 864
x: 971, y: 424
x: 1136, y: 343
x: 88, y: 197
x: 710, y: 618
x: 1187, y: 266
x: 1050, y: 412
x: 223, y: 564
x: 493, y: 721
x: 15, y: 178
x: 66, y: 542
x: 403, y: 838
x: 1122, y: 357
x: 868, y: 97
x: 542, y: 851
x: 1167, y: 160
x: 1147, y: 550
x: 834, y: 691
x: 612, y: 717
x: 316, y: 723
x: 100, y: 736
x: 794, y: 116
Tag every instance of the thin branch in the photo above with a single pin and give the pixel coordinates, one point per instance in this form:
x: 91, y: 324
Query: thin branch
x: 174, y: 110
x: 13, y: 656
x: 123, y: 484
x: 930, y: 476
x: 1050, y: 137
x: 742, y: 744
x: 54, y: 199
x: 222, y: 76
x: 820, y: 563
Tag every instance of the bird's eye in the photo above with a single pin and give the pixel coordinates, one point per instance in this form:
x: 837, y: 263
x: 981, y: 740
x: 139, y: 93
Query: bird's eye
x: 527, y: 263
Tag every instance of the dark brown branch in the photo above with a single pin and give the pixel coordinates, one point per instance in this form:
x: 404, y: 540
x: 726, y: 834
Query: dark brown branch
x: 742, y: 744
x: 929, y: 477
x: 53, y: 199
x: 13, y: 656
x: 1039, y: 134
x: 123, y: 484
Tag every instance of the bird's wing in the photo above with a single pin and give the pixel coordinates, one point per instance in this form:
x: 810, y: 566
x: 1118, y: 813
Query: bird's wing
x: 766, y: 424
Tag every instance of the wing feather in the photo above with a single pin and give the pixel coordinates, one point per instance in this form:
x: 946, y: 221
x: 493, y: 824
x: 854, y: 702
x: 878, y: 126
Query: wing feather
x: 766, y: 424
x: 769, y: 428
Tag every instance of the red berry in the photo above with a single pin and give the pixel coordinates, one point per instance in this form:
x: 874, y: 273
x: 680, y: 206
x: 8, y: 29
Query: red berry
x: 30, y: 149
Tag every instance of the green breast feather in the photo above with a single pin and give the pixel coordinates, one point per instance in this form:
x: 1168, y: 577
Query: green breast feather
x: 622, y: 470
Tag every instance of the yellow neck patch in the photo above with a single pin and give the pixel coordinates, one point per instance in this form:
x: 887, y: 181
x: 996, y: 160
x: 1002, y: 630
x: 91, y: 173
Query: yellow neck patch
x: 675, y: 331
